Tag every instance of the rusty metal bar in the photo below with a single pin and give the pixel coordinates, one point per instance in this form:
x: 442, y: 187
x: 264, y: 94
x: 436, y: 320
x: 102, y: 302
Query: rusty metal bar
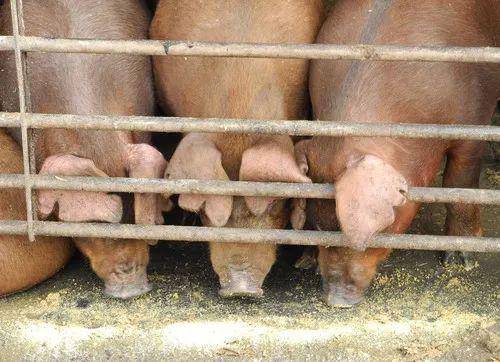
x: 294, y: 128
x: 253, y: 236
x: 259, y: 50
x: 24, y: 107
x: 238, y: 188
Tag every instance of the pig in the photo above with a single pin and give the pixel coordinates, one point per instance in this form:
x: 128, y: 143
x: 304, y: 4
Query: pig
x: 236, y: 88
x: 23, y: 264
x: 92, y: 84
x: 372, y: 175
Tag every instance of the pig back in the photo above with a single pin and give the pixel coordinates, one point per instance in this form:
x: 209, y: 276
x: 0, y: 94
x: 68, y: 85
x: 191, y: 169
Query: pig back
x: 79, y: 83
x: 22, y: 263
x: 407, y: 92
x: 234, y: 87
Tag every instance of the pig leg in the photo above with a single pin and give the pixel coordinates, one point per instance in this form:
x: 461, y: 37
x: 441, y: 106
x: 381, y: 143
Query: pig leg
x: 77, y: 206
x: 346, y: 273
x: 463, y: 169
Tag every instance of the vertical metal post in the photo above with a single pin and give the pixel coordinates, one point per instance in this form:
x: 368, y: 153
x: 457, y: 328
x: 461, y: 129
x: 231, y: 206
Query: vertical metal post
x: 16, y: 7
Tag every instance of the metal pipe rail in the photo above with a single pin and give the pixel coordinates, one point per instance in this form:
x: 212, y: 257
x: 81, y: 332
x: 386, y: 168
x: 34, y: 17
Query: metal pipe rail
x: 256, y: 50
x: 237, y: 188
x: 29, y: 121
x: 252, y: 236
x: 24, y: 107
x: 285, y: 127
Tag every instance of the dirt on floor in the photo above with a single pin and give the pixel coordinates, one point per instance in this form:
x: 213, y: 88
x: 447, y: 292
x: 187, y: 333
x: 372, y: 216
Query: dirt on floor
x: 415, y: 310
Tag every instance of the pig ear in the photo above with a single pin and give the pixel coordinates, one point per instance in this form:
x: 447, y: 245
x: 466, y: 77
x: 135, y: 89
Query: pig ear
x: 77, y: 206
x: 144, y: 161
x: 198, y: 158
x: 298, y: 215
x: 269, y: 162
x: 366, y: 195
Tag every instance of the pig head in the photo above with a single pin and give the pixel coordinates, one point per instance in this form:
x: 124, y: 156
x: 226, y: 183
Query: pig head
x: 241, y: 267
x: 83, y: 84
x: 121, y: 264
x: 368, y: 191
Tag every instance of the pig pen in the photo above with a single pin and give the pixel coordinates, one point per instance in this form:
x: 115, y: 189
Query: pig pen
x: 416, y: 309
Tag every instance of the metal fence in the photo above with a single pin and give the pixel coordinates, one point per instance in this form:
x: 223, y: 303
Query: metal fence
x: 27, y: 121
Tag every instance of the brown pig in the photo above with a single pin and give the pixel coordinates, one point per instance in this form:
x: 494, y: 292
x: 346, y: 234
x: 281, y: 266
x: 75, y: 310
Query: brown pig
x: 92, y: 84
x: 23, y: 264
x: 372, y: 174
x: 236, y: 88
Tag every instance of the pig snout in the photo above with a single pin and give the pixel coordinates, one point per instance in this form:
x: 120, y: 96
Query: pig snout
x: 341, y: 295
x: 341, y: 287
x: 346, y: 274
x: 121, y: 264
x: 242, y: 267
x: 127, y: 281
x: 240, y: 283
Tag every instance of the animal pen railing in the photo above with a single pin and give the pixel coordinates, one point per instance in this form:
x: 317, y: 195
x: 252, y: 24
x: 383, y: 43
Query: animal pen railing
x: 29, y: 121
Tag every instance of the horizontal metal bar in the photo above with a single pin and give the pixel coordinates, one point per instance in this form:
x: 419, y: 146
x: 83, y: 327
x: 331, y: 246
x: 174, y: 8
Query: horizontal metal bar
x: 10, y: 120
x: 202, y: 187
x: 253, y: 236
x: 454, y: 195
x: 259, y: 50
x: 12, y: 181
x: 237, y: 188
x: 215, y: 125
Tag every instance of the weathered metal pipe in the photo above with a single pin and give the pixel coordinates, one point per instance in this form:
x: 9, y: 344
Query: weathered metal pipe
x: 237, y: 188
x: 253, y: 50
x: 294, y: 128
x: 253, y: 236
x: 16, y: 9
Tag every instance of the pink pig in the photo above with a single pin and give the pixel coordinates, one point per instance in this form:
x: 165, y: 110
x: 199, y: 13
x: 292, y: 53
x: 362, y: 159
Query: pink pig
x: 236, y: 88
x: 92, y: 84
x: 372, y: 174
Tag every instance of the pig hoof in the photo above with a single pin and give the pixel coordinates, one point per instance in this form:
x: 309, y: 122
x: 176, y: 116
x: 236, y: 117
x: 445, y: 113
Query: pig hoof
x: 458, y: 257
x: 241, y: 286
x: 127, y: 291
